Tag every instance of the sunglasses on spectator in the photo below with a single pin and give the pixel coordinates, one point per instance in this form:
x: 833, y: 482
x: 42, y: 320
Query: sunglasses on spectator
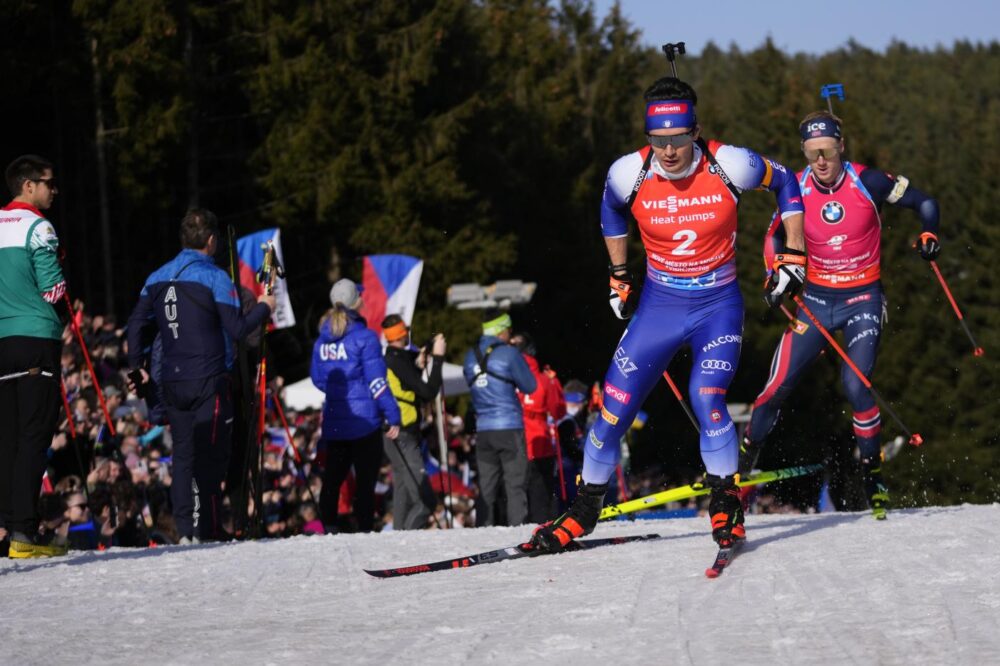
x: 813, y: 154
x: 49, y: 182
x: 677, y: 140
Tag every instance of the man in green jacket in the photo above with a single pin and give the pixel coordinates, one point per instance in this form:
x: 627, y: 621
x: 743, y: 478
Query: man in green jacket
x: 31, y: 283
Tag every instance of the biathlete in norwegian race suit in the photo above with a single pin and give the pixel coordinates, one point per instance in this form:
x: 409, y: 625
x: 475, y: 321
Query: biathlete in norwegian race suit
x: 843, y: 233
x: 683, y: 192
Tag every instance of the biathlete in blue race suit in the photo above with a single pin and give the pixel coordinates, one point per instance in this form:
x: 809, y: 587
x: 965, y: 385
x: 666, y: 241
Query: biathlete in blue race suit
x: 843, y: 201
x: 683, y: 193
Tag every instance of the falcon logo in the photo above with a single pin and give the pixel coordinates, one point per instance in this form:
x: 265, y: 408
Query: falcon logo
x: 833, y: 212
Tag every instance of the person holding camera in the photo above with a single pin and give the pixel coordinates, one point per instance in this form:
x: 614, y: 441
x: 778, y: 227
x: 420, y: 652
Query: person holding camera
x: 194, y: 306
x: 413, y: 499
x: 495, y: 371
x: 347, y: 365
x: 30, y: 352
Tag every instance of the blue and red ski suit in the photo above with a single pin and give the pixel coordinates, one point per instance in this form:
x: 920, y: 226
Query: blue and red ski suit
x: 688, y: 227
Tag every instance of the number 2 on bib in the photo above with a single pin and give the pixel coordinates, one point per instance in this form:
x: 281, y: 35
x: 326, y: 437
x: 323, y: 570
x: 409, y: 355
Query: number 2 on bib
x: 686, y: 236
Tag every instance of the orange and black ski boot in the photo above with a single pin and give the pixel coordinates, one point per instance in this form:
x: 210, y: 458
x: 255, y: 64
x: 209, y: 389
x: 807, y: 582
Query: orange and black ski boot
x: 579, y: 521
x: 725, y: 510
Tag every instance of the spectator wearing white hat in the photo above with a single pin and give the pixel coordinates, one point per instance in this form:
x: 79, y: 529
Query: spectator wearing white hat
x: 347, y: 365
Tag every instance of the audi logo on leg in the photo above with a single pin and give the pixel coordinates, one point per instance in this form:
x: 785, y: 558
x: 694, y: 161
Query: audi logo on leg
x: 714, y: 364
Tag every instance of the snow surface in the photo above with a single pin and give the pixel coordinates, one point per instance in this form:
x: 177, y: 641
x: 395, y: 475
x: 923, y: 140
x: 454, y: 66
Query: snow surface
x: 920, y: 588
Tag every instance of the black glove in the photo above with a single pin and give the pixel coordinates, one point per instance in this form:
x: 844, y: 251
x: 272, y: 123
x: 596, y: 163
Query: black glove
x: 624, y: 295
x: 788, y: 272
x: 929, y: 246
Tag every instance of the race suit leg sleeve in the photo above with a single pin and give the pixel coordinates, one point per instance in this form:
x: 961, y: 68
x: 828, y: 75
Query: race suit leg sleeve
x: 799, y: 346
x: 716, y: 338
x: 643, y: 353
x: 862, y: 331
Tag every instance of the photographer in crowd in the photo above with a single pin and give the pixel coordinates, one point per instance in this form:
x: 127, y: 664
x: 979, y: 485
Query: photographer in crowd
x: 194, y: 306
x: 413, y: 499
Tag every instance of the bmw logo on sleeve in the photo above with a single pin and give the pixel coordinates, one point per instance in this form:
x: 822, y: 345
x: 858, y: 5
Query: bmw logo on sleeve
x: 833, y: 212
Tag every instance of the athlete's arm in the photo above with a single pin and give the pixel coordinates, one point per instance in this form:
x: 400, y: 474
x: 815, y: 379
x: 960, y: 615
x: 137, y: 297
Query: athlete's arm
x: 618, y: 187
x: 748, y: 171
x: 899, y: 192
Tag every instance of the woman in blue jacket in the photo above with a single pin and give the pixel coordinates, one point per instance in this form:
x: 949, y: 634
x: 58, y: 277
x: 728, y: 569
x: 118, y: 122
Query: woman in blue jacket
x: 347, y: 365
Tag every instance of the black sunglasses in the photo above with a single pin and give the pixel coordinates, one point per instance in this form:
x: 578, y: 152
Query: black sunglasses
x: 49, y: 182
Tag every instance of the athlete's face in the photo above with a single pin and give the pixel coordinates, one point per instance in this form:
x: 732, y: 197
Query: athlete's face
x: 824, y: 156
x: 676, y: 156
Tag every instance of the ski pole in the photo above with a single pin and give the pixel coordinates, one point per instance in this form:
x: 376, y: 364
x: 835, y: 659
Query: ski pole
x: 90, y: 366
x: 72, y: 437
x: 914, y: 438
x: 684, y: 405
x: 976, y: 349
x: 554, y: 434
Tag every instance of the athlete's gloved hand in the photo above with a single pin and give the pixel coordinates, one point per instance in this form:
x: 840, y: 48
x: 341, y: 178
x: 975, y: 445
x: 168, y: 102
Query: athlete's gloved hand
x: 624, y: 295
x: 929, y: 246
x: 788, y: 272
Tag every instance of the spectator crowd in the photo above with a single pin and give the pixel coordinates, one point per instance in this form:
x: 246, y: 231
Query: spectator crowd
x: 103, y: 489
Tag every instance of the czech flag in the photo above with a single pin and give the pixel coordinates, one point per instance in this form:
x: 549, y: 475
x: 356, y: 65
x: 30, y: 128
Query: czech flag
x: 391, y: 283
x: 251, y: 257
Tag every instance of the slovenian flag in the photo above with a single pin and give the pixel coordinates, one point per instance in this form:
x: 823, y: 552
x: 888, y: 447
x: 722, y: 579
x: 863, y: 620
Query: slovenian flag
x: 391, y: 283
x: 251, y: 256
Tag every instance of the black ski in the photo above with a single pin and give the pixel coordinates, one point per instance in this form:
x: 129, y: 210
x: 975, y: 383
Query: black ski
x: 501, y: 554
x: 723, y: 559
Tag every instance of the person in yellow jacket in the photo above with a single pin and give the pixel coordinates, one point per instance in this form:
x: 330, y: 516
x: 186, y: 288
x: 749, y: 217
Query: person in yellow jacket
x: 413, y: 500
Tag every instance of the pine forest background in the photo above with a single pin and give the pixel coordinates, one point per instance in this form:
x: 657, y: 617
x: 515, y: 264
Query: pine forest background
x: 477, y: 135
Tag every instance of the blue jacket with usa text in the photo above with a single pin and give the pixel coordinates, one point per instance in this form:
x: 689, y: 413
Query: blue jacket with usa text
x: 493, y: 388
x: 351, y: 371
x: 194, y: 306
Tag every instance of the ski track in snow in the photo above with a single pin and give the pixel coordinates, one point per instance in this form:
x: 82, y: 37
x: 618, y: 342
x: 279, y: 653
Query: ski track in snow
x: 919, y: 588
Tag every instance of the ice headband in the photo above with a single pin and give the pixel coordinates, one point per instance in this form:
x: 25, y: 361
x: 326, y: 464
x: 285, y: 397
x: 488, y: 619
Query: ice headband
x: 498, y: 325
x: 819, y: 127
x: 667, y: 113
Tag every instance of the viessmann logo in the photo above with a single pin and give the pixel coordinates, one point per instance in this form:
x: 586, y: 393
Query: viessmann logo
x: 672, y: 204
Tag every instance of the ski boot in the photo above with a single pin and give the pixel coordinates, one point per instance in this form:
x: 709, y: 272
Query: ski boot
x: 749, y: 452
x: 875, y: 488
x: 24, y: 547
x: 579, y: 521
x: 725, y: 510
